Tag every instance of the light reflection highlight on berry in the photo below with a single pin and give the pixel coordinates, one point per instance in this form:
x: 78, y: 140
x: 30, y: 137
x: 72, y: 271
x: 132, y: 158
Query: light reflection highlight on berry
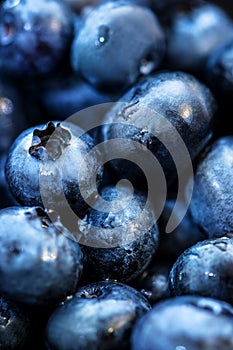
x: 55, y: 25
x: 6, y: 106
x: 47, y: 256
x: 186, y: 111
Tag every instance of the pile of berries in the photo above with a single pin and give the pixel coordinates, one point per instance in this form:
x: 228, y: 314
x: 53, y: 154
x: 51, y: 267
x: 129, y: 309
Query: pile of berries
x: 116, y: 174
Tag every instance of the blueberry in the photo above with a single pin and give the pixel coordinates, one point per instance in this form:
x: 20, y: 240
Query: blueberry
x: 211, y: 204
x: 35, y: 37
x: 46, y: 167
x: 184, y: 236
x: 205, y: 269
x: 181, y: 323
x: 153, y: 281
x: 40, y: 262
x: 202, y: 28
x: 107, y: 53
x: 118, y: 245
x: 99, y: 316
x: 146, y: 108
x: 14, y: 325
x: 65, y: 95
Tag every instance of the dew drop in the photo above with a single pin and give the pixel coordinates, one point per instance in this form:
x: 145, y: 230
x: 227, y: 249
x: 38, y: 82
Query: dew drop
x: 146, y: 66
x: 103, y: 35
x: 7, y: 29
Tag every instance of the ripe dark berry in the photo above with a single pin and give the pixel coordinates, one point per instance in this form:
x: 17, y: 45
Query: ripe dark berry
x: 184, y: 236
x: 40, y: 262
x: 120, y: 244
x: 205, y: 269
x: 65, y: 95
x: 99, y: 316
x: 194, y: 34
x: 185, y: 323
x: 152, y: 113
x: 106, y: 51
x: 46, y: 167
x: 35, y: 36
x: 211, y: 204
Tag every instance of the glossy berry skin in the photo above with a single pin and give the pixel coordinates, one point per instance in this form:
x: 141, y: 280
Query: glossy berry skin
x: 14, y: 325
x: 124, y: 253
x: 188, y: 322
x: 205, y: 269
x: 46, y: 167
x: 188, y: 110
x: 107, y: 53
x: 35, y: 36
x: 211, y: 204
x: 194, y: 34
x: 99, y: 316
x: 40, y: 263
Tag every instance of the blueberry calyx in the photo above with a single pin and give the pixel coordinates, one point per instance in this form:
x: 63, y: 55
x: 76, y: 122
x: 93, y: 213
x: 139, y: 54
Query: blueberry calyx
x: 36, y: 212
x: 49, y: 142
x: 48, y: 218
x: 92, y: 293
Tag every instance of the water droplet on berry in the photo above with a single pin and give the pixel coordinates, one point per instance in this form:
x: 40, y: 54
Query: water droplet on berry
x: 7, y: 29
x: 146, y: 66
x: 103, y: 35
